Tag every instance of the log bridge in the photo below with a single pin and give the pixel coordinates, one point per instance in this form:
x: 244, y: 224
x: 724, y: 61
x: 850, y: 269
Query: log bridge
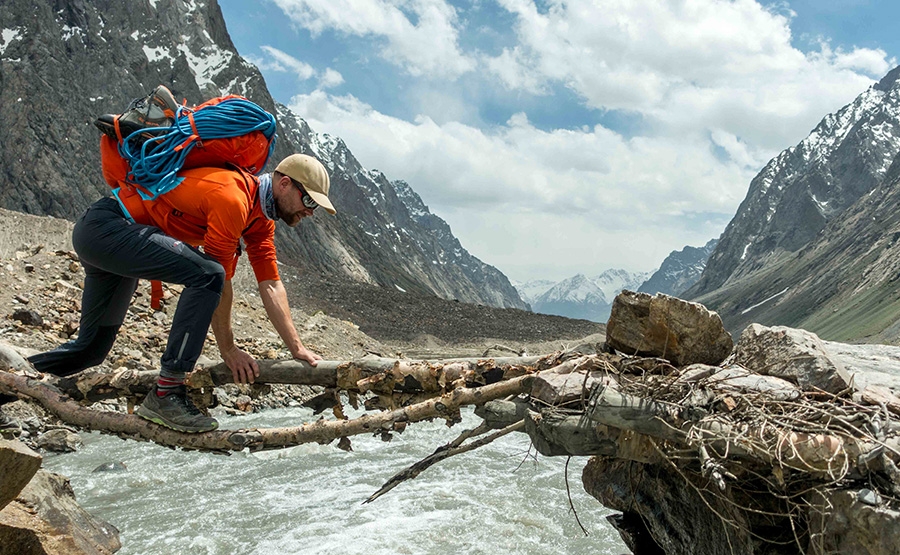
x: 750, y: 463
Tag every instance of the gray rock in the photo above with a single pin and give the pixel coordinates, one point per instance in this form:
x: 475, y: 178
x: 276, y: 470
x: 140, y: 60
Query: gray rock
x: 111, y: 467
x: 741, y: 380
x: 59, y: 441
x: 676, y: 520
x: 10, y: 359
x: 28, y: 317
x: 19, y: 463
x: 679, y: 331
x: 868, y: 497
x: 793, y: 354
x: 46, y: 517
x: 843, y: 523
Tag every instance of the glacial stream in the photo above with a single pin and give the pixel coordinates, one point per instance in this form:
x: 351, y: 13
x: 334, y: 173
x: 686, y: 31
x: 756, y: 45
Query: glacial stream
x: 308, y: 499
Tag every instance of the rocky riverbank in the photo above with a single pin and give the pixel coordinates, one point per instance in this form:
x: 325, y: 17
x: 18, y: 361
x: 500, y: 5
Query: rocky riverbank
x: 40, y: 294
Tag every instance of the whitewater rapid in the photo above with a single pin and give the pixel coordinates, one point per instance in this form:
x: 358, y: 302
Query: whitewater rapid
x: 308, y: 499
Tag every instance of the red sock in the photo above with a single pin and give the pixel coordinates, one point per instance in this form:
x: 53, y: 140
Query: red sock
x: 164, y: 386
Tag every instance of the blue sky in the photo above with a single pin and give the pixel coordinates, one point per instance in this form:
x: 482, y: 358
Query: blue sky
x: 562, y: 138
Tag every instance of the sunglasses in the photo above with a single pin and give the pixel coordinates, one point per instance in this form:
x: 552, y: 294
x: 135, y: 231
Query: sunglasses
x: 304, y: 196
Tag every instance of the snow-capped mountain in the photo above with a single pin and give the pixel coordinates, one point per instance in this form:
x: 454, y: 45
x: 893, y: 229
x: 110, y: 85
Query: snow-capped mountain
x: 382, y: 234
x: 679, y: 271
x: 531, y: 290
x: 588, y: 298
x: 816, y: 242
x: 792, y: 199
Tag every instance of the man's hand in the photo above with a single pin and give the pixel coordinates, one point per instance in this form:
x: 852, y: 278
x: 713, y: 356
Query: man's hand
x: 305, y: 354
x: 243, y: 367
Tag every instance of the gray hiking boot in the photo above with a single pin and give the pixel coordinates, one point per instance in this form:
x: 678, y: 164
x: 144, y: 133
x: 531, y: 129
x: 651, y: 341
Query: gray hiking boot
x: 156, y: 110
x: 175, y: 411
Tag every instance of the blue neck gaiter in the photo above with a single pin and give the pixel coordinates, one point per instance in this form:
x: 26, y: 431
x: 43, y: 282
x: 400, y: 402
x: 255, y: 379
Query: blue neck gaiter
x: 266, y: 196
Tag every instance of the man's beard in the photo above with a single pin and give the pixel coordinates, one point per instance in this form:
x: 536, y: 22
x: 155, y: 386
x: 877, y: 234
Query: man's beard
x: 289, y: 218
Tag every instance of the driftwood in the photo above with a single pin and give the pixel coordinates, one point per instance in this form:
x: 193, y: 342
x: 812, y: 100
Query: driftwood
x: 451, y: 449
x: 379, y: 375
x: 445, y: 405
x: 592, y: 415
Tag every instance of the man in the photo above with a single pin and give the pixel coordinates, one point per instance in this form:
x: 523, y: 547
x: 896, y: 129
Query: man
x: 125, y: 238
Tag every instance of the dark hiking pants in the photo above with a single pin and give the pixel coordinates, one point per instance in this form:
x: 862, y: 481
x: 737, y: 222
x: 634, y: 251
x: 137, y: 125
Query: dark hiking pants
x: 116, y: 253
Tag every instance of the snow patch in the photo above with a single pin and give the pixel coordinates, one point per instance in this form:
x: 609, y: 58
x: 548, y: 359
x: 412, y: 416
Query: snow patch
x: 821, y: 206
x: 785, y: 290
x: 208, y: 65
x: 69, y: 32
x: 7, y: 36
x: 155, y: 54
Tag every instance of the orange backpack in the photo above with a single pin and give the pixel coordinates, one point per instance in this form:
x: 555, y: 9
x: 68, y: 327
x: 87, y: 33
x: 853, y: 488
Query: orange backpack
x: 224, y: 143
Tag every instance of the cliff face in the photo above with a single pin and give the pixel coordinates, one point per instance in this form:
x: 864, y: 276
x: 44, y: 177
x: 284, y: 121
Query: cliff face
x: 814, y: 243
x: 798, y: 192
x: 65, y: 62
x: 679, y: 271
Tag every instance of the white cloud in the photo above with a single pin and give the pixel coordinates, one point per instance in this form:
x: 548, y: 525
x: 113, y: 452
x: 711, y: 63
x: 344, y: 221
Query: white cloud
x: 613, y: 200
x: 283, y: 62
x: 687, y: 65
x: 717, y: 86
x: 419, y: 35
x: 330, y: 79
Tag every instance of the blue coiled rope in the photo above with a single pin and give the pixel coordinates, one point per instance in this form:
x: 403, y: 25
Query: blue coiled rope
x: 156, y: 162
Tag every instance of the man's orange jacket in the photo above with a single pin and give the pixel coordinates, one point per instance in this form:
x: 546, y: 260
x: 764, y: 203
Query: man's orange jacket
x: 212, y: 207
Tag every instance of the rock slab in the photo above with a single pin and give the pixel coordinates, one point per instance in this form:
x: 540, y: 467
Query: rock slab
x: 45, y: 519
x: 679, y: 331
x: 793, y: 354
x: 18, y: 464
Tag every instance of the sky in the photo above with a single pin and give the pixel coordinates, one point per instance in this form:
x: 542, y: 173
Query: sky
x: 559, y: 138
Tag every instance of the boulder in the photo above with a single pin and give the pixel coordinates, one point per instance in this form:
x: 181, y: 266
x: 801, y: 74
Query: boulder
x: 59, y: 440
x: 112, y: 466
x: 11, y: 360
x: 45, y: 519
x: 679, y: 331
x: 852, y: 523
x: 665, y: 514
x: 796, y: 355
x: 27, y: 317
x: 19, y: 463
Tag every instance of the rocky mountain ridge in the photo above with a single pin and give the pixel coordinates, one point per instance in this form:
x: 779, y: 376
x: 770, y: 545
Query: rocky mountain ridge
x: 679, y: 271
x: 799, y: 191
x: 121, y: 51
x: 814, y: 243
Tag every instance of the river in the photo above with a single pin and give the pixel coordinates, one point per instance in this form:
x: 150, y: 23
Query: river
x: 308, y: 499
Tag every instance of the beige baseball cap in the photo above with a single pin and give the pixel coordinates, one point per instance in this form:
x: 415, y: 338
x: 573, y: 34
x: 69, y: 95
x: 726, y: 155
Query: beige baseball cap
x: 310, y: 173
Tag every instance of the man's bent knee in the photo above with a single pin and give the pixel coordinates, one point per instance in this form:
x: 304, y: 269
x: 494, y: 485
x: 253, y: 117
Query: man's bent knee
x: 216, y: 280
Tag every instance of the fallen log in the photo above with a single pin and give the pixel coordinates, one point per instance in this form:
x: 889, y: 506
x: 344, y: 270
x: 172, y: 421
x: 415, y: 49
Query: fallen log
x: 826, y: 455
x: 383, y: 376
x: 445, y: 405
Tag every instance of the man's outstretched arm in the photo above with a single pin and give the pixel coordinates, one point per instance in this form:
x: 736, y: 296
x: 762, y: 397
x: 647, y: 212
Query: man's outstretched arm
x: 274, y: 298
x: 243, y: 366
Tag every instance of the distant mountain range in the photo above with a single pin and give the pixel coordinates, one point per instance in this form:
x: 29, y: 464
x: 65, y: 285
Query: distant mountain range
x: 63, y: 63
x: 588, y: 298
x: 816, y: 242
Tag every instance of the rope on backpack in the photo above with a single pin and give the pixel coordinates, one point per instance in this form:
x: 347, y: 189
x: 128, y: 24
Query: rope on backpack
x: 156, y: 162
